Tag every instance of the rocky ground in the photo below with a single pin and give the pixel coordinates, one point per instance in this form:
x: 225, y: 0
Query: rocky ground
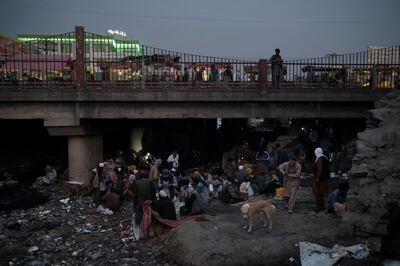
x: 73, y: 233
x: 222, y: 241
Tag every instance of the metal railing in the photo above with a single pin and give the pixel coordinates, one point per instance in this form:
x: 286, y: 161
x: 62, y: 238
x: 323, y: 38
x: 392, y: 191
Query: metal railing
x: 138, y: 66
x: 38, y: 62
x: 86, y: 60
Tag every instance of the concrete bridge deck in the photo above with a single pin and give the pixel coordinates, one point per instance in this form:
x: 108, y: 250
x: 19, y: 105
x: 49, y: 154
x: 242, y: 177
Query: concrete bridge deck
x: 66, y: 107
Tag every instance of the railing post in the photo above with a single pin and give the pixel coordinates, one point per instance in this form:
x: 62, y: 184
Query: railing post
x: 374, y: 77
x: 143, y: 71
x: 262, y: 73
x: 80, y: 57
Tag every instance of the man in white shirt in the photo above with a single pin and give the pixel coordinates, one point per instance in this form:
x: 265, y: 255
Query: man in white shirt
x: 173, y: 160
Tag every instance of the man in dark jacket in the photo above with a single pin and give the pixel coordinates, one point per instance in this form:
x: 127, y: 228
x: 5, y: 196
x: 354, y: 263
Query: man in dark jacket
x: 143, y: 190
x: 321, y: 178
x: 165, y: 207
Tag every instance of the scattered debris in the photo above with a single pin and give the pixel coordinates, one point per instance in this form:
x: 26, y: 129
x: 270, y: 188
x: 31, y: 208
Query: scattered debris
x: 70, y: 230
x: 104, y: 210
x: 391, y: 263
x: 313, y: 254
x: 33, y: 249
x: 74, y: 183
x: 65, y: 201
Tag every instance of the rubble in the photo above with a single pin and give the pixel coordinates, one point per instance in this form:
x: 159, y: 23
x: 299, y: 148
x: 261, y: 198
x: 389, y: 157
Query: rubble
x: 67, y: 230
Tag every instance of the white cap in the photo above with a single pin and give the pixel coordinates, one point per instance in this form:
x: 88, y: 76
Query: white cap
x: 318, y: 151
x: 162, y: 194
x: 241, y: 167
x: 101, y: 165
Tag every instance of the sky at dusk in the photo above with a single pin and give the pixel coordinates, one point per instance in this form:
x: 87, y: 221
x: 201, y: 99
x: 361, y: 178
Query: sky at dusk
x: 248, y: 29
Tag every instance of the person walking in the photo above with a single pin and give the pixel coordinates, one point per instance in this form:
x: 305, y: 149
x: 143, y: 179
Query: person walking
x: 276, y: 67
x: 321, y: 178
x: 291, y: 171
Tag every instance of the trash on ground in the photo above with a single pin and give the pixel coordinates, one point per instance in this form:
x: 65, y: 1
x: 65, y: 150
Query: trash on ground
x: 74, y: 183
x: 391, y: 263
x: 313, y: 254
x: 33, y: 249
x: 104, y: 210
x: 65, y: 201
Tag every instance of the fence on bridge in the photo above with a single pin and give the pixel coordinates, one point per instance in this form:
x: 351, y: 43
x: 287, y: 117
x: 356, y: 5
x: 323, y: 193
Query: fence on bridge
x: 87, y: 60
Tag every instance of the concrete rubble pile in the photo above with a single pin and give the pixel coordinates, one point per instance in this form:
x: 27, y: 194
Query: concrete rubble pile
x: 68, y: 230
x: 373, y: 201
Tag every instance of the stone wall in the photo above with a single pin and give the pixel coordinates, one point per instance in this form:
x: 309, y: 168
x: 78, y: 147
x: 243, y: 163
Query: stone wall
x: 374, y: 196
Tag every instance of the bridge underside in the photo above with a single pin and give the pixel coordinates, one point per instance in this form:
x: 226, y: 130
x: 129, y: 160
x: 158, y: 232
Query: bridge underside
x: 69, y: 114
x: 66, y: 107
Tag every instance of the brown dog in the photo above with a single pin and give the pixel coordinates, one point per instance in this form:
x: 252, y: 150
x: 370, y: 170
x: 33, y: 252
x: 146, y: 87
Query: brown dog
x: 249, y: 210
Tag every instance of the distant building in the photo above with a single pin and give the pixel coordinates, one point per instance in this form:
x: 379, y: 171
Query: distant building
x: 383, y: 54
x: 101, y: 53
x: 7, y: 47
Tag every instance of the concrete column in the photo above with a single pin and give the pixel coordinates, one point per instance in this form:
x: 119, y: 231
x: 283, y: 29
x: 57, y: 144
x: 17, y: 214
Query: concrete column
x: 262, y: 74
x: 84, y: 153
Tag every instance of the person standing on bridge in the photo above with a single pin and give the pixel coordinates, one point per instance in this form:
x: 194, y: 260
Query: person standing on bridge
x: 214, y: 73
x: 276, y: 67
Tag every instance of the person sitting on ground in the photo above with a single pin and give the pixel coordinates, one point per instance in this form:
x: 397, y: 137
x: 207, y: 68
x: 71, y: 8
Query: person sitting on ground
x: 50, y: 177
x: 336, y: 202
x: 112, y: 201
x: 168, y: 183
x: 258, y: 182
x: 245, y: 186
x: 165, y: 207
x: 271, y: 184
x: 199, y: 196
x: 262, y: 160
x: 230, y: 192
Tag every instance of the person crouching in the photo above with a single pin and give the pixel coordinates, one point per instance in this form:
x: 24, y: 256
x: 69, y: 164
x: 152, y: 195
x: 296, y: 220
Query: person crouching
x: 165, y: 206
x: 199, y: 196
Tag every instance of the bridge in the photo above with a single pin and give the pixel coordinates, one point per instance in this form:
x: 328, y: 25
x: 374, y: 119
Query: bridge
x: 71, y: 79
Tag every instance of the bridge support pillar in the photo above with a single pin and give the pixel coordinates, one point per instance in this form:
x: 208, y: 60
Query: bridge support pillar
x: 84, y: 153
x: 263, y: 74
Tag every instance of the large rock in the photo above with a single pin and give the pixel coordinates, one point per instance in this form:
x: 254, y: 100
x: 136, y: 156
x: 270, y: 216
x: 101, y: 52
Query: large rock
x: 223, y: 241
x: 375, y: 198
x: 358, y: 171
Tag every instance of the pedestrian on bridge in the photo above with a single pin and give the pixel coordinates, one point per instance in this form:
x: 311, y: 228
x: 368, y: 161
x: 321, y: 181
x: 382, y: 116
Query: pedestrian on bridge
x: 276, y: 67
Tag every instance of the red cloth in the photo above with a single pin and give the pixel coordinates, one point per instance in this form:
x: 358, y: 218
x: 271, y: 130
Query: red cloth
x: 174, y: 224
x: 148, y: 214
x: 146, y: 218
